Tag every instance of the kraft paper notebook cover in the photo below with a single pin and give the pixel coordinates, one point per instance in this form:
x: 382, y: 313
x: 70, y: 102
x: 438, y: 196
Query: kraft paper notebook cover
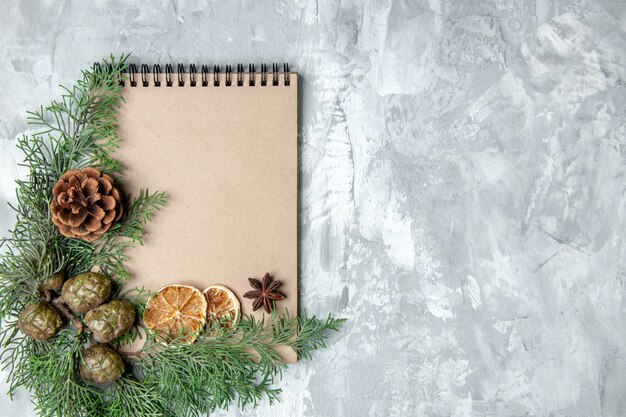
x: 227, y: 157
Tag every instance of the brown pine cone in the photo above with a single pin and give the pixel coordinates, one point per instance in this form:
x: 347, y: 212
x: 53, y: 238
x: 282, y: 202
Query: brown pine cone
x: 85, y: 204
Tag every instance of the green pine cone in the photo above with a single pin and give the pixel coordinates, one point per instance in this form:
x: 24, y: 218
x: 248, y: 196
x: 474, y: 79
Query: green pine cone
x: 110, y: 321
x: 53, y: 282
x: 86, y: 291
x: 40, y: 321
x: 101, y: 364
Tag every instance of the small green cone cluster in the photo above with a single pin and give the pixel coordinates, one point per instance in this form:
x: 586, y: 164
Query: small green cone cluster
x: 86, y: 293
x: 101, y: 364
x: 83, y: 293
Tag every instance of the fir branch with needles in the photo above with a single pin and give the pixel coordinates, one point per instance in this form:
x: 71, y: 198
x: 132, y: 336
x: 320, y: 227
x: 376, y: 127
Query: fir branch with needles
x: 226, y: 365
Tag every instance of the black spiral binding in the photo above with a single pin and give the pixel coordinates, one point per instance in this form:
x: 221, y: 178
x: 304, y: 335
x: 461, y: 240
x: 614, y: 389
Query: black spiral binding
x: 264, y: 74
x: 239, y: 75
x: 168, y: 75
x: 192, y: 75
x: 144, y: 75
x: 156, y: 74
x: 132, y: 70
x: 252, y: 78
x: 216, y: 75
x: 205, y: 75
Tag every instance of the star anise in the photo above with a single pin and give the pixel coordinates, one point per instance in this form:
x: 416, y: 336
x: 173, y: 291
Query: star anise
x: 264, y: 293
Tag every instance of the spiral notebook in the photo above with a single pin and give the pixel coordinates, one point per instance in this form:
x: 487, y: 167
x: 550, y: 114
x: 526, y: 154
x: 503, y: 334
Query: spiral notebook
x: 223, y: 145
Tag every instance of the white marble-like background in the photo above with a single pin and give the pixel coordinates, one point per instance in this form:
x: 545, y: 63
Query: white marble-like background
x: 463, y: 185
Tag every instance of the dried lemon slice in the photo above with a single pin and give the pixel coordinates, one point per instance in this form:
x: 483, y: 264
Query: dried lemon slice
x: 177, y: 312
x: 222, y: 303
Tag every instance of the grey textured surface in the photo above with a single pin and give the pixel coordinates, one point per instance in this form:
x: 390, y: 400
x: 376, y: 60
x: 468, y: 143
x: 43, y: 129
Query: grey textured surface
x: 462, y: 186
